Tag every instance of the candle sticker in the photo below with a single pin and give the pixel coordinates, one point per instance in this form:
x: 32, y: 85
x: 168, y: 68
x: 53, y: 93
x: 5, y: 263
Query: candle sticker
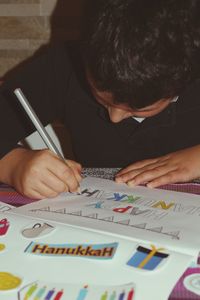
x: 113, y: 296
x: 104, y: 296
x: 59, y: 295
x: 50, y: 294
x: 131, y: 294
x: 82, y: 293
x: 40, y: 293
x: 122, y: 295
x: 30, y: 291
x: 40, y: 290
x: 37, y: 230
x: 147, y: 259
x: 9, y: 281
x: 4, y: 225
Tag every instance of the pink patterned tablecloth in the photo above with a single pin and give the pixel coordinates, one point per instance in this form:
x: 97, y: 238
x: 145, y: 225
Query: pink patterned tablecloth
x: 10, y: 196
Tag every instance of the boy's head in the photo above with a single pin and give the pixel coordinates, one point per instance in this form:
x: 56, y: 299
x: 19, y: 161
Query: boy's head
x: 141, y: 51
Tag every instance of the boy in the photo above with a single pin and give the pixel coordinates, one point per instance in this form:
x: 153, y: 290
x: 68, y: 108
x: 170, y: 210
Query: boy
x: 129, y: 96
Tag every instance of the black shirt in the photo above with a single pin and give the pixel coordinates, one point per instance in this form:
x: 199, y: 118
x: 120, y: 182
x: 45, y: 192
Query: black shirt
x: 55, y: 85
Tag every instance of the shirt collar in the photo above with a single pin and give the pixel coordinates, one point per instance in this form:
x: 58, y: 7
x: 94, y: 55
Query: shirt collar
x: 140, y: 120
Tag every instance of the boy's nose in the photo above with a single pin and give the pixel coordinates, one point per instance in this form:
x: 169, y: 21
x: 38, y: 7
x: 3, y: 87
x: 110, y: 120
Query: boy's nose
x: 117, y: 115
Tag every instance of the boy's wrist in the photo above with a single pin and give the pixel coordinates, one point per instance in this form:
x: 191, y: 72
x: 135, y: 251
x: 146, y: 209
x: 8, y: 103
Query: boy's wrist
x: 10, y: 162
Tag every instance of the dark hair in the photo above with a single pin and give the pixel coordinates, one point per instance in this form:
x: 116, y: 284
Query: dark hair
x: 143, y: 50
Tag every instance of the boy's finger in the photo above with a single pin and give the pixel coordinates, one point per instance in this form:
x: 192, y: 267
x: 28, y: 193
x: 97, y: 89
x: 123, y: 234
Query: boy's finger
x: 168, y: 178
x: 76, y: 168
x: 70, y: 180
x: 65, y: 173
x: 158, y: 167
x: 148, y: 175
x: 137, y: 165
x: 54, y: 183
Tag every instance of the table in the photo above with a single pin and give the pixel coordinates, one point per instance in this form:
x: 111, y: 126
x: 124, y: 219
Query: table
x: 10, y: 196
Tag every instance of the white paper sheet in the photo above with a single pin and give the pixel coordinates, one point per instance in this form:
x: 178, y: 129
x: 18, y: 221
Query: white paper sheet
x: 169, y: 218
x: 5, y: 207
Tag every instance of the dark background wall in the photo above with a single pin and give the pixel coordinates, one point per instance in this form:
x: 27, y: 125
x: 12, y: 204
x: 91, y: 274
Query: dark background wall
x: 26, y: 25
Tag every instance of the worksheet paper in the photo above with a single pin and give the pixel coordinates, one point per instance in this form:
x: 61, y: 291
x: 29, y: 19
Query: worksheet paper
x: 166, y: 217
x: 134, y: 218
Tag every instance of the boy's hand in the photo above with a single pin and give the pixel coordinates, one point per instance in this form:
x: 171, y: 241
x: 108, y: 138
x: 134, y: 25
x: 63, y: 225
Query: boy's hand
x: 180, y: 166
x: 39, y: 174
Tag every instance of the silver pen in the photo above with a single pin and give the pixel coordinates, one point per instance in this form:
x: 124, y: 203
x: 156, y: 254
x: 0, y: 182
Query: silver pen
x: 38, y: 125
x: 36, y: 122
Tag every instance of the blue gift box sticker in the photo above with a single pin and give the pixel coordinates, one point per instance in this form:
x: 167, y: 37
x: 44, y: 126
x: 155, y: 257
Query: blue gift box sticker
x: 148, y: 259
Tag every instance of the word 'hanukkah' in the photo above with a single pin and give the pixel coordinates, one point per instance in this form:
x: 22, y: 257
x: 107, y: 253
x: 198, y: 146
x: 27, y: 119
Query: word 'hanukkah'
x: 100, y: 251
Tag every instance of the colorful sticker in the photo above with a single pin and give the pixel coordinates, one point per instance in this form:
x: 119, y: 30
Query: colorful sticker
x: 4, y: 225
x: 192, y: 283
x: 148, y: 259
x: 99, y: 251
x: 82, y: 293
x: 31, y: 290
x: 9, y: 281
x: 2, y: 247
x: 40, y: 290
x: 37, y: 230
x: 40, y: 293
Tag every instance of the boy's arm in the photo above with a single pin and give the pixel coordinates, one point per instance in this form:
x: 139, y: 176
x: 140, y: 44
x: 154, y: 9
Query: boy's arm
x: 39, y: 174
x: 179, y: 166
x: 44, y: 80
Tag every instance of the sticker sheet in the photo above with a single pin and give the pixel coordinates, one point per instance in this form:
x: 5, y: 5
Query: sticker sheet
x: 43, y: 259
